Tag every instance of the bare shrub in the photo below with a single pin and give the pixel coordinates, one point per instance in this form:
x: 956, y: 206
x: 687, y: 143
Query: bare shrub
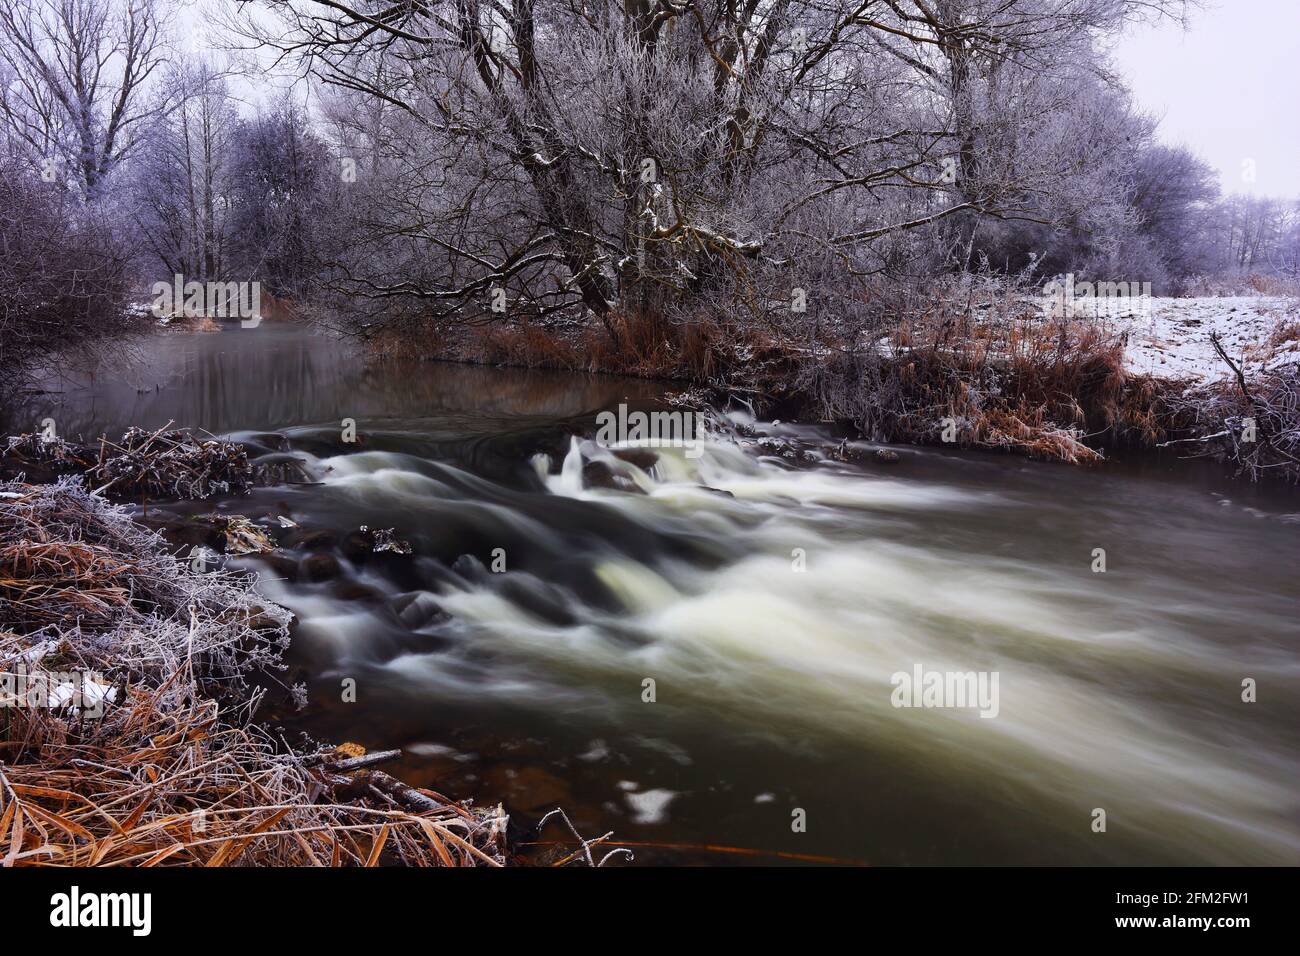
x: 62, y: 281
x: 981, y: 366
x: 1249, y: 420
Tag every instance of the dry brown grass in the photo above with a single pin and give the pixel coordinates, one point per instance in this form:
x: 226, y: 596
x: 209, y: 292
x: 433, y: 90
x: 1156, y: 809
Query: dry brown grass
x: 172, y: 769
x: 1283, y: 332
x: 1147, y: 409
x: 63, y: 582
x: 1272, y: 285
x: 1010, y: 378
x: 1251, y: 284
x: 182, y: 786
x: 527, y: 345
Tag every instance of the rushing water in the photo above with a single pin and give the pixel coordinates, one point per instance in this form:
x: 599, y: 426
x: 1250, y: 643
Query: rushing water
x: 771, y: 604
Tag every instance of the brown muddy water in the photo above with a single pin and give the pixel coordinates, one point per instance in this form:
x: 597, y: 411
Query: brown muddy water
x: 773, y: 686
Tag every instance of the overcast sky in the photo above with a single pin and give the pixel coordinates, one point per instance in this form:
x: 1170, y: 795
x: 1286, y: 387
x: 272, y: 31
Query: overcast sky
x: 1229, y: 88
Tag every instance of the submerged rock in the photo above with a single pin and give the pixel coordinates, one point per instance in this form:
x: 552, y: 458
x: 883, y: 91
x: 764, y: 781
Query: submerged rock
x: 528, y: 788
x: 320, y: 567
x: 277, y: 468
x: 470, y: 568
x: 418, y: 609
x: 238, y: 534
x: 600, y: 474
x: 722, y: 492
x: 282, y: 565
x: 784, y: 448
x: 321, y: 539
x: 386, y: 539
x: 597, y: 474
x: 232, y: 534
x: 643, y: 458
x: 356, y: 546
x: 348, y: 590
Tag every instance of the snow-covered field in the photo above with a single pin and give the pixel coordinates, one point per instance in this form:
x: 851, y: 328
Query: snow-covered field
x: 1172, y: 338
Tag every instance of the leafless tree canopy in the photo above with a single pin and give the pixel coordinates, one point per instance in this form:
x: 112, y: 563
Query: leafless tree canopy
x: 642, y: 155
x: 77, y: 91
x: 61, y: 278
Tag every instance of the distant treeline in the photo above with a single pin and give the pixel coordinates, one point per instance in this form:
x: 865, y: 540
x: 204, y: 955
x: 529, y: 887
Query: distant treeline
x: 471, y: 162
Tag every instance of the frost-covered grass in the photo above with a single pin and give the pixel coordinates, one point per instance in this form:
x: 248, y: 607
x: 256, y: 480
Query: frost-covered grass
x: 171, y: 768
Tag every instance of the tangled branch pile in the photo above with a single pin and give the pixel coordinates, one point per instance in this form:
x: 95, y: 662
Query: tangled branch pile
x: 169, y: 767
x: 172, y: 463
x: 162, y: 463
x: 1253, y: 422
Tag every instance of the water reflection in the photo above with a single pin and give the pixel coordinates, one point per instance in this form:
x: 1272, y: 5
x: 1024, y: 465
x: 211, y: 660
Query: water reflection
x: 281, y: 376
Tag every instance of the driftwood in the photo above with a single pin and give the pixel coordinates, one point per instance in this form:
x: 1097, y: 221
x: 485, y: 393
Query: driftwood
x: 356, y: 776
x: 366, y: 760
x: 584, y: 846
x: 391, y: 788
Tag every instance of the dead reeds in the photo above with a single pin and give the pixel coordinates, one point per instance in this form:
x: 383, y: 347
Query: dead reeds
x: 168, y: 767
x: 994, y: 373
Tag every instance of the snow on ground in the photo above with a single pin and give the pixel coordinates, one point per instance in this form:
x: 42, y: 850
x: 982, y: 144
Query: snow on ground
x: 1171, y: 339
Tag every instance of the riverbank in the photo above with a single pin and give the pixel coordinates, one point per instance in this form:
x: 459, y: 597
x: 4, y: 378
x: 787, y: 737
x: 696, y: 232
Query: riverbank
x: 506, y: 655
x: 129, y: 735
x: 1213, y: 377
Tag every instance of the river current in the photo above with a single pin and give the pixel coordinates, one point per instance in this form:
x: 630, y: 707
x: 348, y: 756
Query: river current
x: 706, y: 653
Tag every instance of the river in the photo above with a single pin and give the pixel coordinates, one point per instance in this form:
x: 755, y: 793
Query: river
x: 771, y: 604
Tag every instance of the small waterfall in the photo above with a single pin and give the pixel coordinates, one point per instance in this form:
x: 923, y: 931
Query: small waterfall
x: 570, y: 482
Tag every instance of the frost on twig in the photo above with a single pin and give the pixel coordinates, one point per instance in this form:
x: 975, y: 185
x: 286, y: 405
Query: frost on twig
x: 584, y: 850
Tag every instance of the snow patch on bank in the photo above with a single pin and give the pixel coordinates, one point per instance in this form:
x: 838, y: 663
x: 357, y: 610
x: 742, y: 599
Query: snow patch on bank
x: 1172, y: 340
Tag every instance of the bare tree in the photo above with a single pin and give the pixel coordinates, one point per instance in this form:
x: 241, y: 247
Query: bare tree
x: 79, y: 90
x: 179, y: 191
x: 62, y: 281
x: 606, y: 157
x: 279, y: 174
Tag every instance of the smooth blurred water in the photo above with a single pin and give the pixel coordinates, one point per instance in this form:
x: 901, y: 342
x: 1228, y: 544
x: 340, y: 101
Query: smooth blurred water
x: 1118, y: 690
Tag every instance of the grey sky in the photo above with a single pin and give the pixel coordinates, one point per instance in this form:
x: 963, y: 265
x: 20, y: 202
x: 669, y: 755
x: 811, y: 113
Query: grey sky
x: 1229, y: 88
